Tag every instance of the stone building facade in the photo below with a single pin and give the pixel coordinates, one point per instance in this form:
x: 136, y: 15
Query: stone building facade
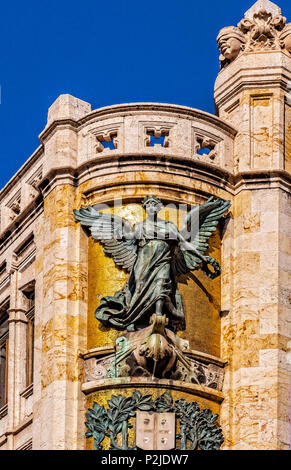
x: 53, y: 275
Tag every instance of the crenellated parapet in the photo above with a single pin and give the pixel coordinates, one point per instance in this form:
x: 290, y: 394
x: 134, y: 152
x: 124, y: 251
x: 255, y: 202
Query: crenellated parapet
x: 78, y: 142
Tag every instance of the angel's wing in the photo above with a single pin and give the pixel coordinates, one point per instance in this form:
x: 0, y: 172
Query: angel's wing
x: 108, y: 230
x: 199, y: 233
x: 196, y: 217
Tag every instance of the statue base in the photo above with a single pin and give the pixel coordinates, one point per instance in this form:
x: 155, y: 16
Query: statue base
x: 150, y: 370
x: 158, y: 353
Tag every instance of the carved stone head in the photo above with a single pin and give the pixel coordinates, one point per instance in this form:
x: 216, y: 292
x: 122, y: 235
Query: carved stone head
x: 230, y: 42
x: 286, y: 37
x: 262, y: 29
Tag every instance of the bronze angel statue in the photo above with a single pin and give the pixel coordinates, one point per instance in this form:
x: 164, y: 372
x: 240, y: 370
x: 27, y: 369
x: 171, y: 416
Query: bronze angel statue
x: 154, y: 253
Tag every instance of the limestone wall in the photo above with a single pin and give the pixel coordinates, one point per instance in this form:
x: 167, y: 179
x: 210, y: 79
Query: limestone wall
x: 240, y: 321
x: 253, y: 89
x: 72, y: 170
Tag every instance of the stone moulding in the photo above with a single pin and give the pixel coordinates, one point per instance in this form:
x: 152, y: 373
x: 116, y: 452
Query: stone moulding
x: 233, y: 184
x: 207, y: 358
x: 188, y: 366
x: 27, y: 392
x: 145, y: 382
x: 26, y: 446
x: 4, y: 283
x: 3, y: 411
x: 248, y: 75
x: 35, y: 157
x: 169, y: 109
x: 20, y: 427
x: 136, y: 108
x: 140, y: 159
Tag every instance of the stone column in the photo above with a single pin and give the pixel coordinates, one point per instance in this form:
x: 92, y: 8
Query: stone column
x: 17, y: 354
x: 61, y: 304
x: 11, y: 359
x: 251, y: 94
x: 18, y: 326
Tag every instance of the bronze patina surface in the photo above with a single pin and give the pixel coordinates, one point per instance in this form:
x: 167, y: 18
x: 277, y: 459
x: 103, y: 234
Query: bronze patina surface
x: 155, y: 253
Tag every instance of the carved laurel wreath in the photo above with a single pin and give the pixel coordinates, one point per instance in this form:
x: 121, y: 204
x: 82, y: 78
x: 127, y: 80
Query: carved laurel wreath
x: 197, y: 428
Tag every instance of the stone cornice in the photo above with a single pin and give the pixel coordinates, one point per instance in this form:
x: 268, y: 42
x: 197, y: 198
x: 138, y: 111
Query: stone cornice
x: 112, y: 111
x: 18, y: 175
x: 170, y: 109
x: 21, y: 222
x: 189, y: 168
x: 57, y: 177
x: 136, y: 108
x: 155, y: 162
x: 242, y: 75
x: 110, y: 165
x: 176, y: 164
x: 61, y: 123
x: 237, y: 87
x: 148, y: 382
x: 262, y: 179
x: 20, y: 427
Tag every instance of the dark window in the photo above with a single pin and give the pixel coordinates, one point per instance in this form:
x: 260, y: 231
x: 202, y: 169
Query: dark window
x: 3, y: 358
x: 30, y: 338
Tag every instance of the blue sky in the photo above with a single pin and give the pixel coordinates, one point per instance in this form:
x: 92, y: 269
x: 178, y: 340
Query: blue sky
x: 104, y: 53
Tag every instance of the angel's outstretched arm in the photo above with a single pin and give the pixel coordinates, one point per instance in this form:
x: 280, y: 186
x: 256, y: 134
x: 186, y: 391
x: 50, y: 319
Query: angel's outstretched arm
x: 184, y: 245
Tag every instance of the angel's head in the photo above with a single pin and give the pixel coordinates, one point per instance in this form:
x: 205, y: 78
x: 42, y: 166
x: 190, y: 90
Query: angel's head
x: 152, y: 205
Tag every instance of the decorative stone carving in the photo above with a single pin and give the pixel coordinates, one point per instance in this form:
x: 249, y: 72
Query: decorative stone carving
x: 97, y: 369
x: 266, y: 5
x: 251, y: 221
x: 260, y: 29
x: 197, y: 428
x: 262, y: 32
x: 285, y: 36
x: 155, y: 352
x: 106, y: 136
x: 15, y: 205
x: 34, y: 181
x: 157, y: 132
x: 231, y: 42
x: 206, y: 143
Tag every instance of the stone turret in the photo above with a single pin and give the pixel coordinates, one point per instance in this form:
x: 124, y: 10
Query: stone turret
x: 252, y: 93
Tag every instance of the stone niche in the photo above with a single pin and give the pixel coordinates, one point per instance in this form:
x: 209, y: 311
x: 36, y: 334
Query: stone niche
x: 203, y: 380
x: 201, y: 295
